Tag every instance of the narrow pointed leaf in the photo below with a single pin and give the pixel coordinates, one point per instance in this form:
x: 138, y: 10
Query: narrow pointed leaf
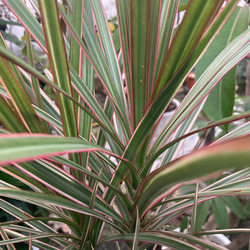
x: 35, y: 82
x: 123, y: 21
x: 9, y: 119
x: 59, y: 65
x: 5, y: 237
x: 198, y: 16
x: 53, y: 200
x: 169, y: 9
x: 139, y: 23
x: 95, y: 56
x: 19, y: 99
x: 108, y: 47
x: 27, y: 20
x: 75, y: 50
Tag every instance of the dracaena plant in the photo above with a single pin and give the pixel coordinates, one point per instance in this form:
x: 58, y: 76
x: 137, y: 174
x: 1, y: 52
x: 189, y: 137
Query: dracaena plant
x: 89, y: 180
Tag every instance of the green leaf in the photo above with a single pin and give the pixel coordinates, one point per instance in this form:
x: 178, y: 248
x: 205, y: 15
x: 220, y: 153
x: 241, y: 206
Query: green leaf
x: 137, y: 229
x: 153, y: 48
x: 108, y: 48
x: 184, y: 223
x: 123, y: 19
x: 25, y: 217
x: 203, y: 85
x: 116, y: 40
x: 221, y: 98
x: 35, y: 81
x: 8, y: 22
x: 139, y: 22
x: 60, y: 70
x: 198, y: 16
x: 201, y: 216
x: 31, y: 146
x: 12, y: 38
x: 234, y: 205
x: 19, y: 99
x: 227, y: 155
x: 168, y: 13
x: 5, y: 237
x: 171, y: 239
x: 80, y: 85
x: 194, y: 213
x: 59, y: 65
x: 220, y: 213
x: 9, y: 118
x: 195, y: 95
x: 27, y: 20
x: 44, y: 199
x: 17, y: 237
x: 87, y: 75
x: 182, y: 5
x: 94, y: 53
x: 75, y: 51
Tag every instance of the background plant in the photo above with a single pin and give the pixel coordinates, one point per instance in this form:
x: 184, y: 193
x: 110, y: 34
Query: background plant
x: 89, y: 180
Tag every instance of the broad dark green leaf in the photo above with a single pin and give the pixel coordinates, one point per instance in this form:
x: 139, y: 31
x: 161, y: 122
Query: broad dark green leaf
x: 221, y: 98
x: 116, y: 40
x: 234, y: 205
x: 220, y: 213
x: 202, y: 214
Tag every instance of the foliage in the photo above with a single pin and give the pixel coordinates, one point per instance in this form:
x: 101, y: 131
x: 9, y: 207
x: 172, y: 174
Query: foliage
x: 89, y: 180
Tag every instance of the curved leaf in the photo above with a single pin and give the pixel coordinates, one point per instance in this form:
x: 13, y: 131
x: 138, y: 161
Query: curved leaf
x: 44, y: 199
x: 23, y: 147
x: 171, y: 239
x: 195, y: 166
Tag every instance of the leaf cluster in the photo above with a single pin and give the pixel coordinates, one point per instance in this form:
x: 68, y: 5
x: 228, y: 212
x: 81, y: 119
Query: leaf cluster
x: 128, y: 174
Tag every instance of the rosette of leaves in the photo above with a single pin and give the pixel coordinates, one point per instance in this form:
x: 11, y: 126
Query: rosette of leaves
x: 88, y: 181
